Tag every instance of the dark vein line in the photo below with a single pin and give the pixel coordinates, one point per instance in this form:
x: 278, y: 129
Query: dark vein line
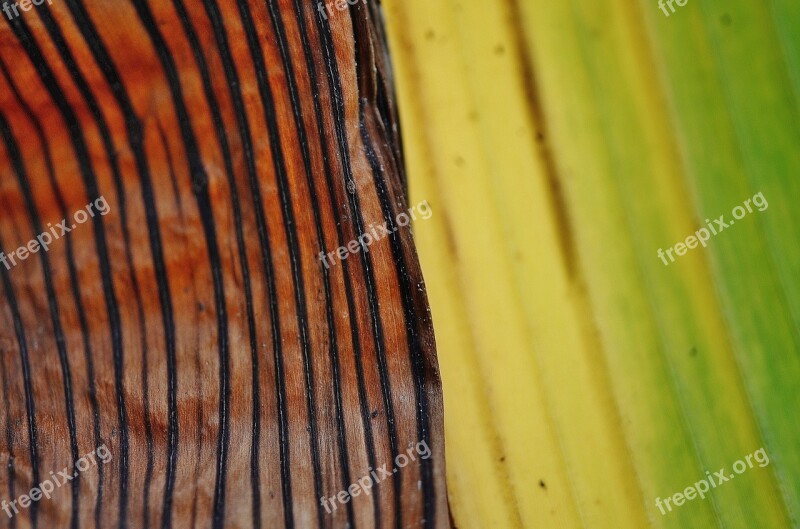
x: 337, y: 103
x: 30, y: 403
x: 222, y: 140
x: 354, y: 331
x: 288, y: 68
x: 23, y: 34
x: 135, y: 136
x: 74, y: 284
x: 12, y: 471
x: 204, y: 206
x: 279, y: 163
x: 12, y: 149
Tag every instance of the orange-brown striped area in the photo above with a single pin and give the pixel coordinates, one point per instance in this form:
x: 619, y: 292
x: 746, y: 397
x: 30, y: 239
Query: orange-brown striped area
x: 189, y: 160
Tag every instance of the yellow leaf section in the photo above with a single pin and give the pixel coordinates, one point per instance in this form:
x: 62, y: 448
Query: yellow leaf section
x: 514, y: 407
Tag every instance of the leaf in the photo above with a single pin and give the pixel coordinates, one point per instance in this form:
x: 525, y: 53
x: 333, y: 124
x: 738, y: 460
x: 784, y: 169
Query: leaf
x: 562, y: 145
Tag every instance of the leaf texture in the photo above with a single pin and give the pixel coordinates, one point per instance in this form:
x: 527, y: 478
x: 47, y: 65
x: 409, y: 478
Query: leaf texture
x: 564, y: 144
x: 190, y: 324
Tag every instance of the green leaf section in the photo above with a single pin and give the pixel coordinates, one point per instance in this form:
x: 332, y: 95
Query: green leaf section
x: 731, y: 71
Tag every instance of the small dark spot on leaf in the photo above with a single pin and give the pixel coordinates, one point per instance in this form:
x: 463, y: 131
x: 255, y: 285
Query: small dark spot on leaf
x: 693, y: 351
x: 726, y: 19
x: 201, y: 307
x: 199, y: 181
x: 459, y: 161
x: 541, y: 484
x: 430, y: 35
x: 499, y: 49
